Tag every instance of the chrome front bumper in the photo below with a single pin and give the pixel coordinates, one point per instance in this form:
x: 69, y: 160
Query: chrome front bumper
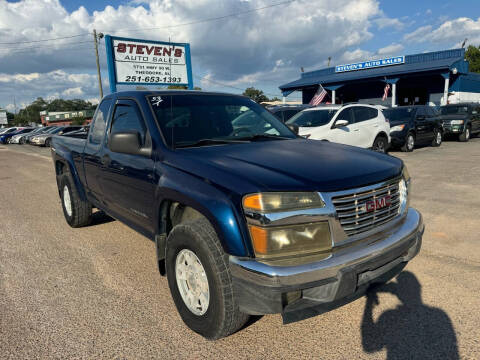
x: 263, y: 288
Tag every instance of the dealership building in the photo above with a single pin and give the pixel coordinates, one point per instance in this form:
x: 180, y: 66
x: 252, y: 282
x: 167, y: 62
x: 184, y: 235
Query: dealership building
x: 434, y: 78
x: 62, y: 118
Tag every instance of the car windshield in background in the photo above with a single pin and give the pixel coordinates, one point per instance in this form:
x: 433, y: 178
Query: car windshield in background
x: 192, y: 120
x: 396, y: 115
x: 454, y: 110
x: 312, y: 118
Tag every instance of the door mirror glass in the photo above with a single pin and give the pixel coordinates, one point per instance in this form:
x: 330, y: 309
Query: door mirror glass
x: 127, y: 142
x: 294, y: 128
x: 341, y: 123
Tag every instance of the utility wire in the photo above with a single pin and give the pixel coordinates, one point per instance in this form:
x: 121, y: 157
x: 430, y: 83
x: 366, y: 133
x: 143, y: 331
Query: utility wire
x: 42, y: 40
x: 228, y: 86
x: 45, y: 46
x: 205, y: 20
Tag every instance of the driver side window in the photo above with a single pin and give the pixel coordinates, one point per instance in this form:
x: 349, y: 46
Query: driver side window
x: 127, y: 118
x: 346, y: 114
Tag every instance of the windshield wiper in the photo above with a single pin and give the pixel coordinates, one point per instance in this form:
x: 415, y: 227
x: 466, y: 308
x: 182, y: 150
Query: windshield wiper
x: 202, y: 142
x: 264, y: 137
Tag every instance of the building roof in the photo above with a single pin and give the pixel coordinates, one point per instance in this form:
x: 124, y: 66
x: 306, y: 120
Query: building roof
x: 434, y: 61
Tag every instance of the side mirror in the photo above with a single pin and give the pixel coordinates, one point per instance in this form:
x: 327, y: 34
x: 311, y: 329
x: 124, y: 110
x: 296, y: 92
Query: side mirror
x: 341, y: 123
x: 294, y: 128
x: 127, y: 142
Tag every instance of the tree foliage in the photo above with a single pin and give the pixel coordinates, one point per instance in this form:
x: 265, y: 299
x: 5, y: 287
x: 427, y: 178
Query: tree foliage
x: 31, y: 113
x: 256, y: 95
x: 473, y: 56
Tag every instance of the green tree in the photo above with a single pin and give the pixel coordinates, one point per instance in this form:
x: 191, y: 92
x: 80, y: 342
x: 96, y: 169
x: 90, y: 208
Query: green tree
x: 255, y: 94
x: 182, y: 87
x: 79, y: 120
x: 473, y: 56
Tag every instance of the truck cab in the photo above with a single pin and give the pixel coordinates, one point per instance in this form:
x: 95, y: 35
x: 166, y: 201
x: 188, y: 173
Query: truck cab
x: 244, y: 222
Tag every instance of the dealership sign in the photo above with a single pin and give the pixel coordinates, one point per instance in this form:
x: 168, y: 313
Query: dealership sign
x: 144, y: 62
x: 371, y: 64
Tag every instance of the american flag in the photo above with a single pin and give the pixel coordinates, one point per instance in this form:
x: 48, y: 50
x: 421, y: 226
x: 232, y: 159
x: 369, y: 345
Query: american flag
x: 385, y: 92
x: 319, y: 96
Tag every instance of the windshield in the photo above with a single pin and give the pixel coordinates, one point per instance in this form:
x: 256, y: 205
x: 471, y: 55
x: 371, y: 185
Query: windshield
x: 187, y: 119
x: 454, y: 110
x: 312, y: 118
x: 397, y: 115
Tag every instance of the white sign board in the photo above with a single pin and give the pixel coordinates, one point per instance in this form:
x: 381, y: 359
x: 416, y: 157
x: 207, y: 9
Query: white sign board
x: 142, y: 62
x: 3, y: 118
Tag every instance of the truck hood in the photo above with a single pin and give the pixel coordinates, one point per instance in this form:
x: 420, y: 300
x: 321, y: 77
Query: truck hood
x: 453, y: 117
x: 287, y: 165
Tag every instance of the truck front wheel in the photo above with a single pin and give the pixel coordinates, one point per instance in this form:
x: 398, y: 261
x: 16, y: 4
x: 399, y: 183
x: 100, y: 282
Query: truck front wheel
x: 200, y: 281
x: 77, y: 212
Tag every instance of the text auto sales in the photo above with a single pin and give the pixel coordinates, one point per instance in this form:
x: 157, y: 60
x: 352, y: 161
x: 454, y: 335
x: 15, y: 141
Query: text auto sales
x: 149, y: 50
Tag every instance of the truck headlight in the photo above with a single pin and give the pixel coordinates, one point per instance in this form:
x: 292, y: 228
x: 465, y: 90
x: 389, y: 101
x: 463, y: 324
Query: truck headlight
x: 290, y: 240
x: 279, y: 201
x: 286, y: 240
x: 397, y: 128
x: 456, y: 122
x: 404, y: 190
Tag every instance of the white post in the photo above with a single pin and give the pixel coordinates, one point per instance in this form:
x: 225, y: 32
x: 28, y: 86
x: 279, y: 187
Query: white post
x: 394, y: 94
x: 445, y: 91
x: 333, y: 96
x: 284, y: 99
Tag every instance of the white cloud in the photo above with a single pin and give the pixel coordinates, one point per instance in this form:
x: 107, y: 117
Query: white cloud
x: 386, y: 22
x: 49, y: 85
x: 391, y: 50
x: 240, y: 49
x: 450, y: 32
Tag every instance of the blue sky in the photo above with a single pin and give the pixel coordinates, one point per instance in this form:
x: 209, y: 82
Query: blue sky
x: 263, y: 49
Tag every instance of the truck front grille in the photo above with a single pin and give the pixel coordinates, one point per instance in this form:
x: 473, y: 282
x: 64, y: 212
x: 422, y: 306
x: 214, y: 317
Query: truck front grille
x: 352, y: 208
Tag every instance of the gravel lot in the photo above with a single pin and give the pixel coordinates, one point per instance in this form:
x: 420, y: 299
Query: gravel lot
x: 95, y: 292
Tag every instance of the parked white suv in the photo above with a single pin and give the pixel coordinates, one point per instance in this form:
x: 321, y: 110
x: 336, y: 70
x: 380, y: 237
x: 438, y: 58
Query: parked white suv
x: 353, y: 124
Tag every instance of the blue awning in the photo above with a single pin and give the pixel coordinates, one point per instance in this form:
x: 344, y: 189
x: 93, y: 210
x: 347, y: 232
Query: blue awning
x: 441, y: 61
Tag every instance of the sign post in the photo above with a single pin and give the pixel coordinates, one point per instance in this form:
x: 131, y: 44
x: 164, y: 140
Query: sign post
x: 145, y: 62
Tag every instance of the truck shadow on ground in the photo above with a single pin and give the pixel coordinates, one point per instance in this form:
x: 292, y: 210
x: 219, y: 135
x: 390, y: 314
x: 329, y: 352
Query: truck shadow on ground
x: 99, y: 218
x: 412, y: 330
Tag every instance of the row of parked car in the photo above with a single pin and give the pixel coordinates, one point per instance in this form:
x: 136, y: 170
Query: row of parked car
x: 379, y: 127
x: 41, y: 136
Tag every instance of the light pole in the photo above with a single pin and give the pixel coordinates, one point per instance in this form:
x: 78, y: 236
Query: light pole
x: 100, y: 35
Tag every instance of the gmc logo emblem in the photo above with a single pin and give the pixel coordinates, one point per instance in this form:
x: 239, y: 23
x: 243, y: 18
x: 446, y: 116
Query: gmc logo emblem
x: 379, y: 203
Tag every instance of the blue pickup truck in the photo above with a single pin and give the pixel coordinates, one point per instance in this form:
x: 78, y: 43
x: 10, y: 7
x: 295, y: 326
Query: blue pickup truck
x: 247, y: 217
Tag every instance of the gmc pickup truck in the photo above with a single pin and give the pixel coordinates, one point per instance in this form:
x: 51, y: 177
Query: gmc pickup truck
x: 247, y: 217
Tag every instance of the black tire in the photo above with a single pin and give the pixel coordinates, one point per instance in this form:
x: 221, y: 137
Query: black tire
x: 80, y: 213
x: 465, y: 136
x: 22, y: 141
x: 437, y: 138
x: 48, y: 142
x: 409, y: 143
x: 380, y: 144
x: 222, y: 316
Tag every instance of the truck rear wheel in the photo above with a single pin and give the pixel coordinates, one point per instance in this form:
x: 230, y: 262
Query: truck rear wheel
x: 77, y: 212
x: 200, y: 281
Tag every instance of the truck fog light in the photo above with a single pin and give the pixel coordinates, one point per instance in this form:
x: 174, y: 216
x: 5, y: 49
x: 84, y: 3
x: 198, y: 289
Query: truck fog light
x: 282, y: 241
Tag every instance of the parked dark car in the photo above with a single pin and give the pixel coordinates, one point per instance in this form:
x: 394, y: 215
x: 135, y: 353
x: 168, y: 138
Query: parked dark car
x: 414, y: 125
x: 244, y: 222
x: 462, y: 120
x: 285, y: 112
